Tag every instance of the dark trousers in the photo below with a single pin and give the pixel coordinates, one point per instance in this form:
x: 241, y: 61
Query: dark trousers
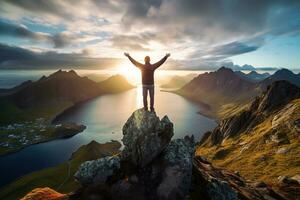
x: 150, y: 89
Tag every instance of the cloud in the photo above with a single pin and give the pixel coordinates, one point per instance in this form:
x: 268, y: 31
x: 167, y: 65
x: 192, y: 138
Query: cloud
x: 139, y: 42
x: 15, y: 30
x: 197, y: 32
x: 15, y: 57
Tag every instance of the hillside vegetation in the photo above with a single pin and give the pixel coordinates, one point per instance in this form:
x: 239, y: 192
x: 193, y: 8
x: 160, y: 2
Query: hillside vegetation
x: 262, y: 141
x: 60, y: 177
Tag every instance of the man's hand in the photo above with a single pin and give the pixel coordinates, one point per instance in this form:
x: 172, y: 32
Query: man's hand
x: 168, y: 54
x: 126, y: 54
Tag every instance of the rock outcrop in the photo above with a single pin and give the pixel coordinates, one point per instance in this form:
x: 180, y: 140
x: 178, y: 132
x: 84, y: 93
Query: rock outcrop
x: 151, y: 166
x: 277, y: 95
x: 217, y: 184
x: 145, y: 136
x: 97, y: 171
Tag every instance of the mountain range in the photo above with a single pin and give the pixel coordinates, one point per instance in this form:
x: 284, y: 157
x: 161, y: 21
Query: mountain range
x: 225, y: 92
x: 253, y: 75
x: 50, y: 95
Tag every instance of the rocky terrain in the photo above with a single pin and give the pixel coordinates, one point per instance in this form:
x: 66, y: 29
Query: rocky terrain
x: 153, y: 166
x: 262, y: 141
x: 60, y: 177
x: 224, y: 92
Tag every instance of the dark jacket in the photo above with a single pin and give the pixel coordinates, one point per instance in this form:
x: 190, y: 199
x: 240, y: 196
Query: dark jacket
x: 148, y: 69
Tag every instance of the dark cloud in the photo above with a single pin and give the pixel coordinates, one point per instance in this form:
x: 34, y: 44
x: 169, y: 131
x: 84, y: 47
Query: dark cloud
x: 54, y: 7
x: 16, y: 57
x: 232, y: 49
x: 14, y: 30
x: 211, y: 30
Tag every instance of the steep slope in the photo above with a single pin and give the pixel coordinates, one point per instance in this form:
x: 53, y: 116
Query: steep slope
x: 177, y: 81
x: 59, y: 86
x: 114, y: 84
x: 50, y: 95
x: 282, y: 74
x: 221, y: 90
x: 57, y: 177
x: 262, y: 141
x: 152, y: 166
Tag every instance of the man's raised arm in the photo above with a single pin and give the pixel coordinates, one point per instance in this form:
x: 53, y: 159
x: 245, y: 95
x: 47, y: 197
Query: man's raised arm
x: 136, y: 63
x: 159, y: 63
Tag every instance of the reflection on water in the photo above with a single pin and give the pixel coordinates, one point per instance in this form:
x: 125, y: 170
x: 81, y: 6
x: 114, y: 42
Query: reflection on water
x: 104, y: 117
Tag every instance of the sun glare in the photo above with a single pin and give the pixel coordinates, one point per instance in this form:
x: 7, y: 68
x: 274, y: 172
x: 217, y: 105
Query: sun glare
x: 131, y: 73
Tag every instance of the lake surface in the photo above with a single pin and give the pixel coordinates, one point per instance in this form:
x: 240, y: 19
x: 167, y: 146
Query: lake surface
x: 104, y: 117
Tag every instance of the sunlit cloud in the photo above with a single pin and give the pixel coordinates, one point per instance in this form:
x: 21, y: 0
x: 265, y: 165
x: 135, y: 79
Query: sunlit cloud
x: 198, y: 33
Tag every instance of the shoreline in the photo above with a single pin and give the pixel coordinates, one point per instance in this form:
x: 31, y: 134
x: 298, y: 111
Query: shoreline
x: 79, y: 129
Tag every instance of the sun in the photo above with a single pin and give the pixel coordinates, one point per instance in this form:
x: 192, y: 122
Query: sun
x: 130, y: 72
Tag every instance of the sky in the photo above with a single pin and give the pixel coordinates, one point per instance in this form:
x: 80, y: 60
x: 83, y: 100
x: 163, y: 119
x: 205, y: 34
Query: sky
x: 199, y: 34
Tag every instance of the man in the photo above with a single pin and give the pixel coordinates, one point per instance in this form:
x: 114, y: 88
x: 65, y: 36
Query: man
x: 147, y: 71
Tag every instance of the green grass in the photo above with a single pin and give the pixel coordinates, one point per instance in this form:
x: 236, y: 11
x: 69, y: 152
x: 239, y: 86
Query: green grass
x: 53, y: 177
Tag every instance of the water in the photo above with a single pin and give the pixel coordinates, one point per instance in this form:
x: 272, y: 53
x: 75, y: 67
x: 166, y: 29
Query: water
x: 104, y: 117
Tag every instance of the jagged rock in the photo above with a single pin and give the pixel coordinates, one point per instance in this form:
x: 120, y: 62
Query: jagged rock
x: 296, y: 177
x: 97, y: 171
x: 277, y: 95
x: 280, y: 138
x: 282, y: 150
x: 178, y: 158
x: 145, y: 136
x: 286, y: 180
x: 218, y: 184
x: 151, y: 166
x: 289, y: 187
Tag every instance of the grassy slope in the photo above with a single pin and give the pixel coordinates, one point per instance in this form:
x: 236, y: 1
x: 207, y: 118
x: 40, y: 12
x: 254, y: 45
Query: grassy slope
x: 220, y: 106
x: 259, y: 160
x: 12, y: 114
x: 53, y: 177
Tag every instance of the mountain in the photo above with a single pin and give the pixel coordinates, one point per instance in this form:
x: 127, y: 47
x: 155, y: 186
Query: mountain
x: 176, y: 82
x: 253, y: 76
x: 154, y: 166
x: 282, y: 74
x: 50, y: 95
x: 114, y: 84
x: 219, y: 90
x: 262, y: 141
x: 5, y: 92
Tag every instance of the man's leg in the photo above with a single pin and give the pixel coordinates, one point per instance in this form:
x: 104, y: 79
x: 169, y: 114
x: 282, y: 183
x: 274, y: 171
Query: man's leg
x: 145, y: 95
x: 151, y: 93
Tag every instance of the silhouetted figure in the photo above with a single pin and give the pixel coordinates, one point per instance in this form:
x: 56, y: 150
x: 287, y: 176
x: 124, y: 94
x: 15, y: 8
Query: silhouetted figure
x: 147, y: 71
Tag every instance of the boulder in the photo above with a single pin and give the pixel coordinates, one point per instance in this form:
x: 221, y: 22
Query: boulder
x: 97, y: 171
x: 209, y: 182
x: 145, y: 136
x: 177, y: 174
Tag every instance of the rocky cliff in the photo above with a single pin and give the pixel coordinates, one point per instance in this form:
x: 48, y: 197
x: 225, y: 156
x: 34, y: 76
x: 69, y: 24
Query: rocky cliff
x: 262, y: 141
x: 277, y: 95
x: 153, y: 166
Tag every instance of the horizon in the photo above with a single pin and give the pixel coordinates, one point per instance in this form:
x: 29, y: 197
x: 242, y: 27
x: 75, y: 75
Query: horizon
x: 202, y: 35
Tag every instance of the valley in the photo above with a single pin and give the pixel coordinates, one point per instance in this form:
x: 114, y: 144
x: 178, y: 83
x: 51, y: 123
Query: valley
x: 27, y: 110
